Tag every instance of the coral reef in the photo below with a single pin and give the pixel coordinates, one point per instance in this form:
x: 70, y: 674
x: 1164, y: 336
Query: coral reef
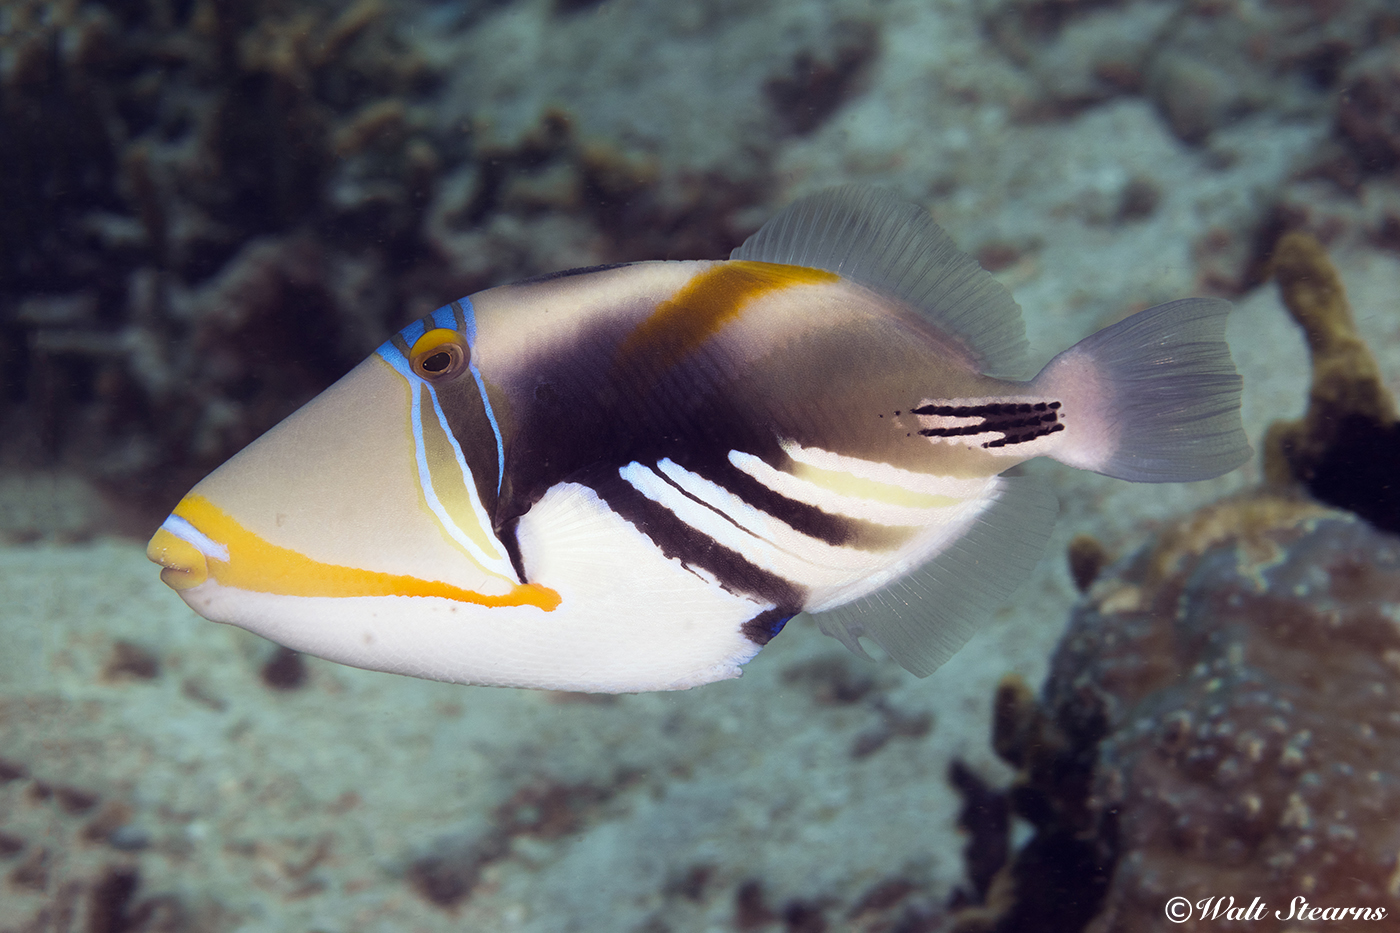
x: 1203, y: 66
x: 1189, y: 741
x: 1226, y: 762
x: 807, y: 96
x: 1215, y: 71
x: 555, y: 198
x: 1087, y: 558
x: 1368, y: 113
x: 1347, y: 188
x: 212, y: 209
x: 1058, y: 880
x: 1346, y: 448
x: 1221, y: 718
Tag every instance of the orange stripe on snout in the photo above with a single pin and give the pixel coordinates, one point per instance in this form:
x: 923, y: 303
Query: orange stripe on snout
x: 254, y: 564
x: 706, y: 304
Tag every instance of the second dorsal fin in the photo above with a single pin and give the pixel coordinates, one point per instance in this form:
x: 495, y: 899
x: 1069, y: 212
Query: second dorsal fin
x: 880, y: 240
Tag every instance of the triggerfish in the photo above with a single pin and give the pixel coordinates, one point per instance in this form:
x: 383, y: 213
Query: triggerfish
x: 630, y: 477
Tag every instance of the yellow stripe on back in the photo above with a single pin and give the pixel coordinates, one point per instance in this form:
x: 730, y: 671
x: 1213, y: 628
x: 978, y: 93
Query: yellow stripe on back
x: 708, y: 302
x: 860, y: 487
x: 258, y: 566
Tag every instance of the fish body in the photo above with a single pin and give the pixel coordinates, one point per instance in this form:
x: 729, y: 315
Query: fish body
x: 630, y: 478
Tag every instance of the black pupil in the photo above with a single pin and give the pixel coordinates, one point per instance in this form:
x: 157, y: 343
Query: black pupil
x: 438, y: 362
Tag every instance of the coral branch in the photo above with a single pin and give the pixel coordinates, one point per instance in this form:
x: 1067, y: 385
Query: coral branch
x: 1346, y: 448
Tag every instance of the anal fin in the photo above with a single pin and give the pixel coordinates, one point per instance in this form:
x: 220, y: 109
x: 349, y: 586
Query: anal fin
x: 924, y: 617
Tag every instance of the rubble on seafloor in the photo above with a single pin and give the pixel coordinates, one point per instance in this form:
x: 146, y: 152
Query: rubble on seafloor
x: 88, y: 863
x: 1221, y: 718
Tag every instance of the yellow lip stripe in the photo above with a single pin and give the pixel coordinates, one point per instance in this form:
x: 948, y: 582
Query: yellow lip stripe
x: 254, y: 564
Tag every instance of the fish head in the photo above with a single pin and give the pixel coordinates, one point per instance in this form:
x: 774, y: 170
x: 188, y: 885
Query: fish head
x: 361, y: 526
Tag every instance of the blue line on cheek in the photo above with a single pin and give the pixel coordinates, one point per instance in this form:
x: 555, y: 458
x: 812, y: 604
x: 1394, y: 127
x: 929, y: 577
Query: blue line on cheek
x: 495, y: 428
x: 446, y: 317
x: 464, y: 305
x: 391, y: 355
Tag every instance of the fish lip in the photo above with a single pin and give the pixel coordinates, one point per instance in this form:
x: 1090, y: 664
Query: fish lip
x: 183, y: 552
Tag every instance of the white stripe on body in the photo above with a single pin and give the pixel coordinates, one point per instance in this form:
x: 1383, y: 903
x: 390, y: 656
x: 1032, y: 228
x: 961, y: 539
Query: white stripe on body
x: 947, y: 506
x: 822, y: 497
x: 916, y: 483
x: 832, y: 574
x: 808, y: 563
x: 756, y: 524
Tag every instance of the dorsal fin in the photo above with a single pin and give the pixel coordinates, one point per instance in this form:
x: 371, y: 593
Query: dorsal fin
x: 882, y: 241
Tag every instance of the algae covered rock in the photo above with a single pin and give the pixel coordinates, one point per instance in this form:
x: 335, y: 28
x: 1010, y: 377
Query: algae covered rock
x: 1218, y: 741
x: 1246, y: 663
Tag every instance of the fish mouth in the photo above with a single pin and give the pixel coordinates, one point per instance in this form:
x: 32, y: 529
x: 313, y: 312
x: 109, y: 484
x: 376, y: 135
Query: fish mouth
x: 182, y: 552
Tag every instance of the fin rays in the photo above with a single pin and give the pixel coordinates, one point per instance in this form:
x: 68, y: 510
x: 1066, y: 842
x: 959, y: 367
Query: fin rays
x: 970, y: 568
x: 889, y: 244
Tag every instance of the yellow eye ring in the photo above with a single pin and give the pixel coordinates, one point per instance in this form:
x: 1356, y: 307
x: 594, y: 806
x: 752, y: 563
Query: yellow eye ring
x: 439, y: 355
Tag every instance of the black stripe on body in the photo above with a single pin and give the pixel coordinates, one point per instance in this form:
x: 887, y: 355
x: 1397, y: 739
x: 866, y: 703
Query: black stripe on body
x: 810, y: 520
x: 617, y: 392
x: 577, y: 417
x: 982, y: 411
x: 465, y: 409
x: 661, y: 475
x: 763, y: 627
x: 679, y: 541
x: 1027, y: 436
x: 1017, y: 422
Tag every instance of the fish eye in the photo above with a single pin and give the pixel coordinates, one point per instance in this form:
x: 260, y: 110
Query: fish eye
x: 439, y: 355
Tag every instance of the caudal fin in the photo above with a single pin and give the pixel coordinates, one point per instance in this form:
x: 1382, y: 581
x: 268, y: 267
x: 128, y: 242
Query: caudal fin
x: 1155, y: 398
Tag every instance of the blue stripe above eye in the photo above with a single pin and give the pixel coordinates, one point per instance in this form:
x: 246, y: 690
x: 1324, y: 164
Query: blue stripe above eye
x: 410, y: 334
x: 446, y: 316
